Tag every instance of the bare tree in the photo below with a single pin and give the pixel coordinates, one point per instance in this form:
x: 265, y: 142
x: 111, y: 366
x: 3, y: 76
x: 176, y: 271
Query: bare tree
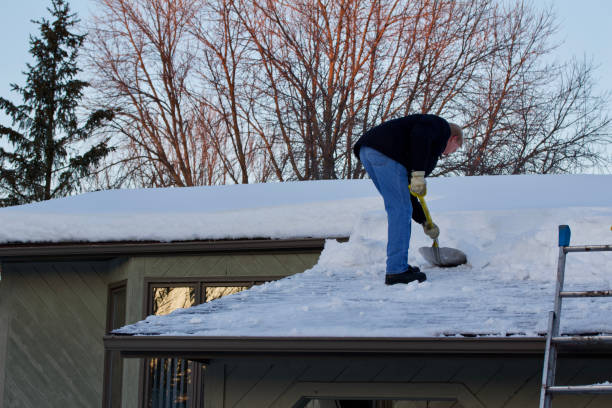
x: 256, y: 90
x: 143, y: 58
x: 226, y: 71
x: 525, y: 116
x: 332, y: 69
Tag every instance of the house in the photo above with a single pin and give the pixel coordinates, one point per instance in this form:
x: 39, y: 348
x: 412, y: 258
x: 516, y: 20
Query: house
x: 329, y: 333
x: 73, y: 269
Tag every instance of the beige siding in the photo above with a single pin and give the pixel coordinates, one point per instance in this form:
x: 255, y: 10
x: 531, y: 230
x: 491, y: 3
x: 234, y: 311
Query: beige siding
x: 54, y: 344
x: 237, y: 265
x: 4, y: 327
x: 477, y: 382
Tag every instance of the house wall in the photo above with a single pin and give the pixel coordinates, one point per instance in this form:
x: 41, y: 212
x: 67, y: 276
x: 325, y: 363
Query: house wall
x: 4, y: 324
x: 465, y: 382
x: 53, y: 318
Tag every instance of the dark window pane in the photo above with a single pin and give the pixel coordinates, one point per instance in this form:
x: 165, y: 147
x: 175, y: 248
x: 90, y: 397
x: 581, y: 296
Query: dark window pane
x: 118, y: 301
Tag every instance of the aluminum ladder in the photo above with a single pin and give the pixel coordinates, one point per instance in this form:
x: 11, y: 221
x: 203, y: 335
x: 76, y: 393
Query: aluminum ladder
x: 553, y: 338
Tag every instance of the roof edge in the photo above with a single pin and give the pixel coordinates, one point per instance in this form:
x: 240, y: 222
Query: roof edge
x: 29, y: 252
x: 211, y: 347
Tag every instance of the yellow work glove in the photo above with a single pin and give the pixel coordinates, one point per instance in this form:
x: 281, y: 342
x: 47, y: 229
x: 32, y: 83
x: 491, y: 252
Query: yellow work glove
x: 431, y: 230
x: 417, y: 183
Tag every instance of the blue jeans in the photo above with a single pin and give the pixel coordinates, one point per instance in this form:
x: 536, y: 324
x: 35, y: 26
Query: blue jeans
x: 391, y: 181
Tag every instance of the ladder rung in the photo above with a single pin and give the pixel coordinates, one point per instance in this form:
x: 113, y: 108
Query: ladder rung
x: 587, y: 293
x: 588, y: 248
x: 580, y: 340
x: 580, y: 389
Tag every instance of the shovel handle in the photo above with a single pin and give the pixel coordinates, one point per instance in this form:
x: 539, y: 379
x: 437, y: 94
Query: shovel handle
x: 428, y: 219
x: 421, y: 199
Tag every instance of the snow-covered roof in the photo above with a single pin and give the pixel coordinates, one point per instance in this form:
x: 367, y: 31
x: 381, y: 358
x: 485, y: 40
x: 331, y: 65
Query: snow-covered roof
x: 313, y: 209
x: 507, y: 226
x: 316, y: 209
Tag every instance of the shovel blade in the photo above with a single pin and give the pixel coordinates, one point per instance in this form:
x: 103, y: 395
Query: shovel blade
x: 443, y: 257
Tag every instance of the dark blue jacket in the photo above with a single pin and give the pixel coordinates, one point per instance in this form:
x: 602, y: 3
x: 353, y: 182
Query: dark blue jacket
x: 415, y: 141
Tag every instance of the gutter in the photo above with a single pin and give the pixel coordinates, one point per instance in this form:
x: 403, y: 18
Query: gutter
x: 201, y: 347
x: 105, y: 250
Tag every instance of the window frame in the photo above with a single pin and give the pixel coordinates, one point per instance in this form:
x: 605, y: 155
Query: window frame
x: 199, y: 282
x: 107, y: 383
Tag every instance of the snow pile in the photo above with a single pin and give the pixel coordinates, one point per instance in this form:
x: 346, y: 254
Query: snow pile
x: 506, y: 225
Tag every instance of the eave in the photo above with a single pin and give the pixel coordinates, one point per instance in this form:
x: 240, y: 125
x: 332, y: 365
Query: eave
x: 200, y: 347
x: 102, y: 250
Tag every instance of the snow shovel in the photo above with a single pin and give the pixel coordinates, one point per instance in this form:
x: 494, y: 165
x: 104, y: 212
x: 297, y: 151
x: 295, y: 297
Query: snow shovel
x: 443, y: 257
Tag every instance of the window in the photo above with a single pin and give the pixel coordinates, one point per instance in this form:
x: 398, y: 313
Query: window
x: 113, y: 363
x: 175, y: 382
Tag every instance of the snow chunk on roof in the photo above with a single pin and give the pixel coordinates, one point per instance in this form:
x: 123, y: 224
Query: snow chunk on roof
x: 506, y: 225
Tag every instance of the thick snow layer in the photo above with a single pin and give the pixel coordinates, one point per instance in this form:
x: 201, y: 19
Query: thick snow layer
x: 275, y: 210
x: 507, y: 226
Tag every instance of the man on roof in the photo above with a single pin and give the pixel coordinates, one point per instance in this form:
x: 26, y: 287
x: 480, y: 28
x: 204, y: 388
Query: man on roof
x: 397, y: 154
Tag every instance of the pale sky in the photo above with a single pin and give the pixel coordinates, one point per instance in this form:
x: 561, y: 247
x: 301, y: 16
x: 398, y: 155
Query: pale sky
x: 585, y: 28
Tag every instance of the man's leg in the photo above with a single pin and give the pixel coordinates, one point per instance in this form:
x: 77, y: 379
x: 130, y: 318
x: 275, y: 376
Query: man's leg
x: 391, y: 180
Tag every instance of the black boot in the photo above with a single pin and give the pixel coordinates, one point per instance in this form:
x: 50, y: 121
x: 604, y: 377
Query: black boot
x: 411, y: 274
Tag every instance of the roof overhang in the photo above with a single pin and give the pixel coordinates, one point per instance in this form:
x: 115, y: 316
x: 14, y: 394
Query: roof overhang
x: 102, y: 250
x: 198, y: 347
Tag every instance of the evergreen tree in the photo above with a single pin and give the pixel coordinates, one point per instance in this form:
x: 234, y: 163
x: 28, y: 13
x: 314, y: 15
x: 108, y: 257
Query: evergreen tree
x: 44, y: 161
